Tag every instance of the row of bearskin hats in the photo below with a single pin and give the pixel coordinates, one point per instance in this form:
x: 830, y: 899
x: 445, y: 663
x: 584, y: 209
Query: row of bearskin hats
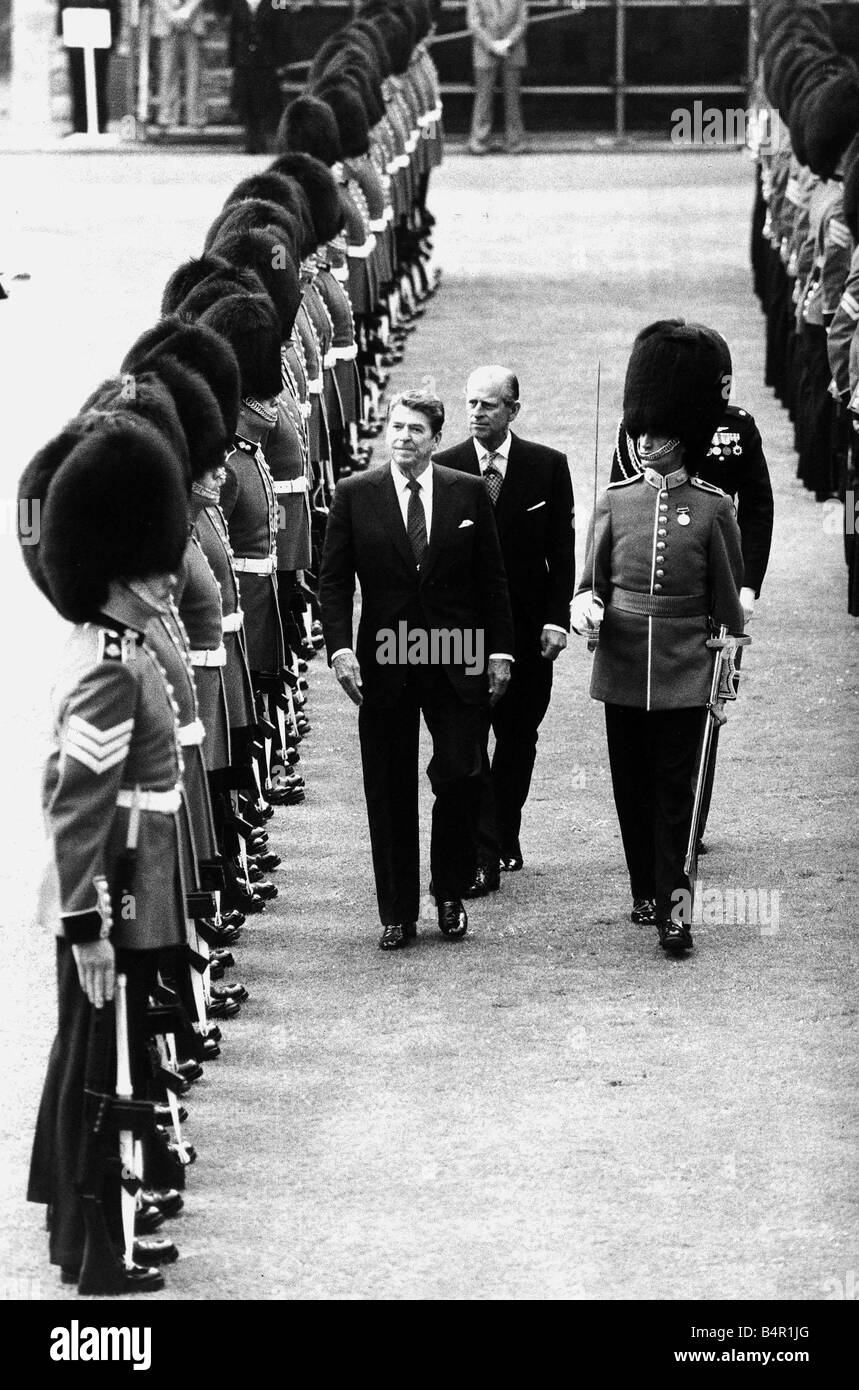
x: 815, y: 90
x: 112, y: 488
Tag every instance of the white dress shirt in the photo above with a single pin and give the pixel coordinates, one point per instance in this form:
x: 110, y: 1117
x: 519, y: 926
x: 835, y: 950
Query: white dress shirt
x: 401, y: 486
x: 502, y: 455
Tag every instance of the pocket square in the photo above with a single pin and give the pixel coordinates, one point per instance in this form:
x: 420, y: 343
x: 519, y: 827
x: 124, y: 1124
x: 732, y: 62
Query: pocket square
x: 465, y: 523
x: 536, y: 507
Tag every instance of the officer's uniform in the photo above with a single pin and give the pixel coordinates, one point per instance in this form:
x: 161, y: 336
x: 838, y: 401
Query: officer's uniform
x: 668, y: 566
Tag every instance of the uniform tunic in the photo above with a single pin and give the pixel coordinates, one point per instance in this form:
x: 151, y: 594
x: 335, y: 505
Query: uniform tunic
x: 198, y: 598
x: 250, y: 508
x: 211, y: 531
x: 668, y: 565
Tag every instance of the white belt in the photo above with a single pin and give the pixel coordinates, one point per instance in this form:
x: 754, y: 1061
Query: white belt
x: 167, y: 803
x: 347, y: 353
x: 402, y: 161
x: 283, y: 486
x: 378, y: 224
x: 314, y: 385
x: 340, y: 272
x: 232, y: 622
x: 306, y: 410
x: 365, y: 249
x: 329, y: 359
x: 212, y: 656
x: 191, y: 735
x: 247, y: 566
x: 412, y: 143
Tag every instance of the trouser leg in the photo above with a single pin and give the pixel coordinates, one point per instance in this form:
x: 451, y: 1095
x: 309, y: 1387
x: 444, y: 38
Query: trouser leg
x: 514, y: 126
x: 481, y: 115
x: 516, y: 720
x: 673, y: 738
x: 389, y: 756
x: 454, y: 774
x: 625, y: 732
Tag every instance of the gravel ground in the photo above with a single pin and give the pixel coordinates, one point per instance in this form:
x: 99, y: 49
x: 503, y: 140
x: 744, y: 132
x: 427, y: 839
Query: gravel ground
x: 550, y: 1108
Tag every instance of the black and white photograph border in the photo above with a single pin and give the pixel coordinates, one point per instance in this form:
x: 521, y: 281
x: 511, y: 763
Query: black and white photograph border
x: 552, y: 1108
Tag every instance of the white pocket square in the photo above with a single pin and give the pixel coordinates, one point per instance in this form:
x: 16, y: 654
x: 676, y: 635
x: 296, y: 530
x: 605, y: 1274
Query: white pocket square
x: 536, y: 507
x: 465, y: 523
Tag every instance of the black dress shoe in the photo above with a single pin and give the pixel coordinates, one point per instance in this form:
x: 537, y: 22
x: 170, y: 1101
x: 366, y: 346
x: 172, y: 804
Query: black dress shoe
x: 674, y: 937
x: 221, y: 956
x: 452, y: 919
x: 643, y: 912
x: 486, y: 880
x: 700, y: 847
x: 191, y: 1070
x: 511, y: 859
x: 267, y: 862
x: 232, y: 919
x: 222, y: 1008
x: 119, y: 1278
x: 397, y: 935
x: 163, y: 1115
x: 155, y: 1250
x: 147, y: 1220
x: 236, y: 991
x: 266, y: 891
x: 168, y: 1201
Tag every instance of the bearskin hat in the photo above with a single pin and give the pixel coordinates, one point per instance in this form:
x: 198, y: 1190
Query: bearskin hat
x: 674, y: 386
x: 33, y: 489
x: 207, y: 433
x: 850, y: 191
x: 350, y: 115
x: 262, y: 252
x: 146, y: 397
x: 352, y: 41
x: 831, y: 121
x: 233, y: 280
x: 254, y: 213
x: 308, y: 125
x: 772, y: 13
x: 196, y: 347
x: 320, y: 190
x: 186, y: 277
x: 251, y: 327
x: 116, y: 508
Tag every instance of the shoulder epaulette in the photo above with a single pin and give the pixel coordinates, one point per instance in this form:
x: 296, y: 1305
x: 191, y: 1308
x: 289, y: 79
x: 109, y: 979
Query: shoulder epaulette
x: 706, y: 487
x: 625, y: 482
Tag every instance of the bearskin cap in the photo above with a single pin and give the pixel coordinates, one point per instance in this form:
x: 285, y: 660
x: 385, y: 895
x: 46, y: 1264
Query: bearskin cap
x: 186, y: 277
x: 264, y: 253
x: 251, y: 327
x: 674, y: 386
x: 253, y: 214
x: 320, y: 190
x: 146, y: 397
x: 308, y: 125
x: 207, y: 433
x: 196, y: 347
x: 116, y: 508
x: 831, y: 121
x: 350, y: 114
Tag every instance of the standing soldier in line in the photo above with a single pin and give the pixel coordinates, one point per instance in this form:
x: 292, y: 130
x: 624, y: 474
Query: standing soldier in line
x: 735, y: 462
x: 113, y: 529
x: 665, y: 554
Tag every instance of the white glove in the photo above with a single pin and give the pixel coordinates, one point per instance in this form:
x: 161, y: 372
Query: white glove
x: 747, y: 603
x: 587, y: 612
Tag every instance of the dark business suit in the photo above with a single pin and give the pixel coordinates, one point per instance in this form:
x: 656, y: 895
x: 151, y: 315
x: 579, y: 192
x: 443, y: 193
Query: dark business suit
x: 535, y: 524
x: 460, y: 585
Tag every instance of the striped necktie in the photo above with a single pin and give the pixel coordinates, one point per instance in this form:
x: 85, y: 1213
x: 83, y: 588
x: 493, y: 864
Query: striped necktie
x: 416, y: 522
x: 493, y: 479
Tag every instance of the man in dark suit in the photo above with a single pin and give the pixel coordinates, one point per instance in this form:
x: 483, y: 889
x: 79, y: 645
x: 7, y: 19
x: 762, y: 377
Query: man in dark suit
x: 530, y: 489
x: 422, y: 542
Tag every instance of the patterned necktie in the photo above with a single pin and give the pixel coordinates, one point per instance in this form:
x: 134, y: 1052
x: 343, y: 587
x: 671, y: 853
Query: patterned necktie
x: 416, y: 523
x: 493, y: 479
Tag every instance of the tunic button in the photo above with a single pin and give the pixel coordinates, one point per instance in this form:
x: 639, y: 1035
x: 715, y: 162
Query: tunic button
x: 657, y: 586
x: 660, y: 574
x: 663, y: 494
x: 662, y: 531
x: 660, y: 545
x: 664, y: 508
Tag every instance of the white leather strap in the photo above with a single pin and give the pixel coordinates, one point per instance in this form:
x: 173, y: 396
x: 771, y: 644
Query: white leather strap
x: 245, y: 565
x: 191, y: 735
x: 212, y: 656
x: 283, y: 486
x: 232, y: 622
x: 166, y: 803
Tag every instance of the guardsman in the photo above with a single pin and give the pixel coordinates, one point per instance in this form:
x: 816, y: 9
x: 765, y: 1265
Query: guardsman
x: 734, y: 462
x: 664, y: 565
x: 111, y: 795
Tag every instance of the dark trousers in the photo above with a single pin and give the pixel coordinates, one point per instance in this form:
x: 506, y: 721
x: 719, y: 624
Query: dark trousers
x: 57, y: 1147
x: 652, y: 758
x: 389, y: 754
x: 505, y: 783
x: 78, y: 86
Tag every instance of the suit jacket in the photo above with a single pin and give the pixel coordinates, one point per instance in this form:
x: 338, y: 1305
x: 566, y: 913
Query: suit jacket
x: 461, y: 584
x: 497, y: 19
x: 535, y: 523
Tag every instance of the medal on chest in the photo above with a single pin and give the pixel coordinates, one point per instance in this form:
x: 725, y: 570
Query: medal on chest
x: 683, y: 516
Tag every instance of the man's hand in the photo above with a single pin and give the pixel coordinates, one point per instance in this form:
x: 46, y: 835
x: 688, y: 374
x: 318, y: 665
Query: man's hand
x: 552, y: 643
x: 96, y: 963
x: 747, y: 603
x: 348, y: 672
x: 587, y: 613
x: 499, y: 671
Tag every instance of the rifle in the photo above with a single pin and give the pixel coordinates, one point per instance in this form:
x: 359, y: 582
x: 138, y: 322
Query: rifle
x: 723, y: 686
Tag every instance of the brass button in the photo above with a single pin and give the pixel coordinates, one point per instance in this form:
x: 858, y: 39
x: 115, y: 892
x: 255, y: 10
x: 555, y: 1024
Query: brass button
x: 662, y: 531
x: 660, y: 574
x: 660, y: 545
x: 657, y: 586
